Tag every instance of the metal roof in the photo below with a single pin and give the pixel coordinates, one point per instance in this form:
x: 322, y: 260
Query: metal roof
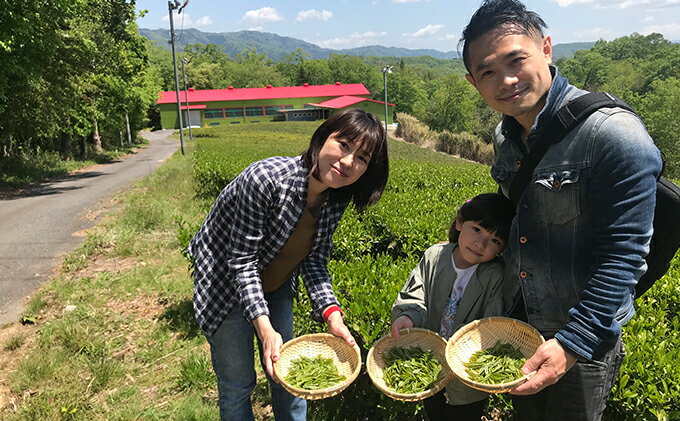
x: 345, y: 101
x: 269, y: 92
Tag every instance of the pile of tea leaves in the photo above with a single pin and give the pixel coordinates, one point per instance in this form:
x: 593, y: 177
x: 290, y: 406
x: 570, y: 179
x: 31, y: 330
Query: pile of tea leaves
x: 313, y: 373
x: 410, y: 370
x: 501, y: 363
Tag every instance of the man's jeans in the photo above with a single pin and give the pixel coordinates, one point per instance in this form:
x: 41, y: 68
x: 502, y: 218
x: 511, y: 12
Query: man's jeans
x: 581, y: 394
x: 233, y: 351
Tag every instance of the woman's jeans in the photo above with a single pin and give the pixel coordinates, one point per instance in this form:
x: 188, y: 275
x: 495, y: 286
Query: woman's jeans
x: 232, y: 349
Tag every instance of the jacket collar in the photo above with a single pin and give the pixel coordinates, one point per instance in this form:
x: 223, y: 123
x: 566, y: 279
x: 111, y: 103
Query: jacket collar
x: 557, y: 96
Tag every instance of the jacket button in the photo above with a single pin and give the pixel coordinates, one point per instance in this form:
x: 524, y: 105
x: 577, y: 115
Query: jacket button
x: 523, y: 274
x: 523, y: 240
x: 557, y: 183
x: 518, y: 164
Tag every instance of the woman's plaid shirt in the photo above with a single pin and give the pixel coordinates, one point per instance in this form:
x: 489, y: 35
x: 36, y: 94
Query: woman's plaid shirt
x: 246, y: 228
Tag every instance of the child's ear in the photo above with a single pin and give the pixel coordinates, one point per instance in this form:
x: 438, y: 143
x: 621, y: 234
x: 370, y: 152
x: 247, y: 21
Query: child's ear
x: 459, y: 224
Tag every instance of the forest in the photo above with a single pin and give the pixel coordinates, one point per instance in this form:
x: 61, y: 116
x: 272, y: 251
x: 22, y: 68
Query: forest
x: 76, y: 72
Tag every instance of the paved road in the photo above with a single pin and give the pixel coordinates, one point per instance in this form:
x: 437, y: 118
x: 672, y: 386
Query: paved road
x: 37, y: 226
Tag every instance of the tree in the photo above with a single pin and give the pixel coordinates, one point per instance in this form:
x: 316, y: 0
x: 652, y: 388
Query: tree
x: 587, y: 69
x: 452, y: 105
x: 658, y: 109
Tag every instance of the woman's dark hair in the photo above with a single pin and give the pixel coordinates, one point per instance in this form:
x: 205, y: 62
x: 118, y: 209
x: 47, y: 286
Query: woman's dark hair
x: 355, y: 125
x: 512, y: 15
x: 492, y: 211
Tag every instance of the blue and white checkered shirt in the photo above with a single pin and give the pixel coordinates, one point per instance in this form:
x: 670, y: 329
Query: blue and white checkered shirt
x: 246, y: 228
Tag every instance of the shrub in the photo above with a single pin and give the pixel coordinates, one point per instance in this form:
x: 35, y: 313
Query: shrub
x: 413, y: 131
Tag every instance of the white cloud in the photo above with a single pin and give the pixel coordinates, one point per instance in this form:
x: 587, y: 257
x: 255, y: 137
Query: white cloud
x: 669, y: 31
x: 427, y: 31
x: 354, y: 40
x: 567, y: 3
x: 648, y: 19
x: 255, y: 28
x: 622, y: 4
x: 263, y: 15
x: 204, y: 21
x: 448, y: 37
x: 594, y: 34
x: 323, y: 15
x: 184, y: 20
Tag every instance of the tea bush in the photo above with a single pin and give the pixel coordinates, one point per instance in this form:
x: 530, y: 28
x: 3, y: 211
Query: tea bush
x: 374, y: 253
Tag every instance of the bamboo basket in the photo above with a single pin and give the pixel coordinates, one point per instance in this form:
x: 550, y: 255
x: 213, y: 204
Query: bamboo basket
x: 484, y: 333
x: 423, y: 338
x: 346, y: 358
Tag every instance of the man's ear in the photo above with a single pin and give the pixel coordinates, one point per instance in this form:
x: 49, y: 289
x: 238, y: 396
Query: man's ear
x: 470, y: 79
x: 547, y: 48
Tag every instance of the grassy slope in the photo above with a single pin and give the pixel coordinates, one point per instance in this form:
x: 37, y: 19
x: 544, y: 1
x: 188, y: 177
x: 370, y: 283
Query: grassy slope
x: 129, y: 348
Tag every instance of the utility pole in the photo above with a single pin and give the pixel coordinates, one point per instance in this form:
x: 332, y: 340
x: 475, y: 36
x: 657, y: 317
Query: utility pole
x: 387, y: 69
x: 172, y: 6
x: 186, y: 97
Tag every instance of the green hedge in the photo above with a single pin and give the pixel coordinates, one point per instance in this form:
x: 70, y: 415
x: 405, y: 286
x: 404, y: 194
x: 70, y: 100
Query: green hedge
x: 374, y: 252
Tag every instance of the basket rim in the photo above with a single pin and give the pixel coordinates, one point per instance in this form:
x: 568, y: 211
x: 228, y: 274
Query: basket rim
x: 318, y: 393
x: 485, y: 387
x: 411, y: 397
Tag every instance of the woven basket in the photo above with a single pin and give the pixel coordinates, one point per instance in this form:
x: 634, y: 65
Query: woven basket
x: 423, y: 338
x: 346, y: 358
x: 483, y: 334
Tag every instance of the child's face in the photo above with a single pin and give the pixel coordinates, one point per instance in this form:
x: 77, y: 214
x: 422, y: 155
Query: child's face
x: 476, y: 244
x: 341, y: 162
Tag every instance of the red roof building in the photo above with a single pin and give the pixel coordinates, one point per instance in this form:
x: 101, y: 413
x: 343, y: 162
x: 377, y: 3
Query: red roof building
x: 211, y: 107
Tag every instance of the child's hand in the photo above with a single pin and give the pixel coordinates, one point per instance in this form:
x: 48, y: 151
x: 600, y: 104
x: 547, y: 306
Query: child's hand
x: 402, y: 322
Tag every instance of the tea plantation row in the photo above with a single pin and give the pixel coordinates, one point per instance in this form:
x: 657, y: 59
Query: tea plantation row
x: 374, y: 253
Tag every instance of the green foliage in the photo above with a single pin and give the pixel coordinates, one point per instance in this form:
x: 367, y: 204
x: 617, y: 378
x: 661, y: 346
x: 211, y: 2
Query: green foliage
x: 195, y: 372
x: 374, y: 253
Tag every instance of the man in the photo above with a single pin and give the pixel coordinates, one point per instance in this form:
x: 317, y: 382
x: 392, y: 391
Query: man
x: 583, y: 222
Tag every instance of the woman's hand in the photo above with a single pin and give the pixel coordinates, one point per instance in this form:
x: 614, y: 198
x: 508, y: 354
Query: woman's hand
x: 402, y: 322
x: 336, y: 326
x: 271, y: 343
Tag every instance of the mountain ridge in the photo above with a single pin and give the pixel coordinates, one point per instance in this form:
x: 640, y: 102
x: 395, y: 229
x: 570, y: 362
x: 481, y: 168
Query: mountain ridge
x: 277, y: 46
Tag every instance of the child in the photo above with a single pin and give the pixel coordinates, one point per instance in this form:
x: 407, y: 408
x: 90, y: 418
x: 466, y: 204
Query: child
x: 454, y: 284
x: 274, y: 221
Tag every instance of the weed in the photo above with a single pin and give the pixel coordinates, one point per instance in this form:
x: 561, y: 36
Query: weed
x: 14, y: 342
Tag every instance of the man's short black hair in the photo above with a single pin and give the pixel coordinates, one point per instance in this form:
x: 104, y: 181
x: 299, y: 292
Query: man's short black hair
x: 493, y: 14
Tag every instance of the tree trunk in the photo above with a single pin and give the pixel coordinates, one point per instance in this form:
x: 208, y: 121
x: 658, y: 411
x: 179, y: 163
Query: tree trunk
x: 96, y: 138
x: 83, y: 147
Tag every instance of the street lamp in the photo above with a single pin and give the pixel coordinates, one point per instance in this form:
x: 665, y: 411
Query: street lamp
x: 172, y: 5
x: 387, y: 69
x: 186, y: 97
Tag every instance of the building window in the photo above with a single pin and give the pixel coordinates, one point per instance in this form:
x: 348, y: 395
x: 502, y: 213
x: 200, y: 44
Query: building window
x: 307, y: 106
x: 213, y: 113
x: 287, y: 107
x: 254, y: 111
x: 272, y: 110
x: 234, y: 112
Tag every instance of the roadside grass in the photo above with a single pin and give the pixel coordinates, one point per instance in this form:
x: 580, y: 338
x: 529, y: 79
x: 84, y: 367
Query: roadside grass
x: 117, y: 337
x: 35, y: 166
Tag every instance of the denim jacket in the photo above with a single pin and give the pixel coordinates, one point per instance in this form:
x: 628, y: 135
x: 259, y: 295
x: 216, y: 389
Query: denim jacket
x: 583, y: 224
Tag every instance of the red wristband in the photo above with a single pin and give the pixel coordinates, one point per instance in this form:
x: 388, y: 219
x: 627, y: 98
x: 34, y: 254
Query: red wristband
x: 330, y: 310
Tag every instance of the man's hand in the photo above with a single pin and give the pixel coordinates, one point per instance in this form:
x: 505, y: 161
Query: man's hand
x: 550, y: 361
x: 336, y: 326
x: 271, y: 343
x: 402, y: 322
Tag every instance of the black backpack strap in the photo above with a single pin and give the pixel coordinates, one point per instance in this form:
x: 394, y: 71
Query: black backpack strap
x: 566, y: 118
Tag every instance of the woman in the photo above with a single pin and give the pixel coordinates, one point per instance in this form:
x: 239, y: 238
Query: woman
x: 271, y: 223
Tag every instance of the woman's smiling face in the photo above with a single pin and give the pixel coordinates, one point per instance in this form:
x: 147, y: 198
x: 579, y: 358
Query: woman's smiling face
x: 341, y: 162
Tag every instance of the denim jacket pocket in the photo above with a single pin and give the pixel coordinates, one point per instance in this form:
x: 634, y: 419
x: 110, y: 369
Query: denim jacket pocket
x: 558, y: 196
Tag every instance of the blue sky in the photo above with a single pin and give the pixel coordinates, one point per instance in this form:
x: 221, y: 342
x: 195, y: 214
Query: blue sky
x: 433, y: 24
